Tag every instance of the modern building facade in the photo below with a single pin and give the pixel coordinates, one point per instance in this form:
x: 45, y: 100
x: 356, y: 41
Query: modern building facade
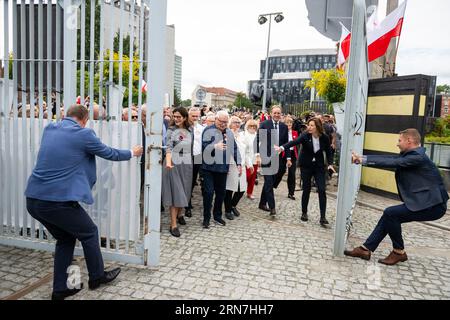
x: 178, y: 74
x: 290, y: 69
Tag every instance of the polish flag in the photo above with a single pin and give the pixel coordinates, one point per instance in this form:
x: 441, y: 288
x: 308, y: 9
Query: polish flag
x: 344, y: 42
x: 379, y: 34
x: 144, y: 86
x: 378, y: 40
x: 344, y: 46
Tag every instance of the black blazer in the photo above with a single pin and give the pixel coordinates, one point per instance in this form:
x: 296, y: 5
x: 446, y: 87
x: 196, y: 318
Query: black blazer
x: 264, y: 144
x: 307, y: 154
x: 419, y: 183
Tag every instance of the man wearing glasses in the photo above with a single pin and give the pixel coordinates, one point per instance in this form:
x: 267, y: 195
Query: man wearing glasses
x: 218, y: 145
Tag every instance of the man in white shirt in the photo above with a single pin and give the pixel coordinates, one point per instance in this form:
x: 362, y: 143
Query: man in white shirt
x: 194, y: 116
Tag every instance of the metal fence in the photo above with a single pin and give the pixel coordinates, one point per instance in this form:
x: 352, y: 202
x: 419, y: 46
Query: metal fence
x: 439, y: 153
x: 130, y: 229
x: 316, y: 106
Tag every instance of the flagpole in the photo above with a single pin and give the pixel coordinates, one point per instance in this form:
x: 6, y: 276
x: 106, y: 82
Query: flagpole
x: 398, y: 42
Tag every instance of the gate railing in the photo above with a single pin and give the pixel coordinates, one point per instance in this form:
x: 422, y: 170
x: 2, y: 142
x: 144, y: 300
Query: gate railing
x: 31, y: 97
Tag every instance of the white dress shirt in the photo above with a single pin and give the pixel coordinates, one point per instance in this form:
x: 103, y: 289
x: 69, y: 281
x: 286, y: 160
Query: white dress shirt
x: 198, y: 130
x: 316, y: 144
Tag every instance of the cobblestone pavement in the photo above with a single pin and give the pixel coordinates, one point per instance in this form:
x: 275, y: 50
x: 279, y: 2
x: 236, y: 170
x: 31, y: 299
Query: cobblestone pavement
x: 256, y: 257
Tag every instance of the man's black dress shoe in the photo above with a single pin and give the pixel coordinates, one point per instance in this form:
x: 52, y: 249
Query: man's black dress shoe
x: 61, y: 295
x: 220, y: 221
x: 273, y: 212
x: 324, y: 222
x: 291, y: 197
x: 107, y: 277
x: 264, y: 208
x: 236, y: 211
x: 188, y: 213
x: 229, y: 215
x: 304, y: 217
x: 205, y: 225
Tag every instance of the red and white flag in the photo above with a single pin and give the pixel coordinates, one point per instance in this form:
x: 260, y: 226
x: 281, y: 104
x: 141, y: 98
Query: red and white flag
x: 379, y: 34
x: 378, y: 40
x: 344, y: 46
x: 144, y: 86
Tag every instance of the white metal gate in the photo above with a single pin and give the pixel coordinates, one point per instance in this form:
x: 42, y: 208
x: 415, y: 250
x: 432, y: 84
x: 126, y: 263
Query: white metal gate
x: 354, y: 127
x: 66, y: 49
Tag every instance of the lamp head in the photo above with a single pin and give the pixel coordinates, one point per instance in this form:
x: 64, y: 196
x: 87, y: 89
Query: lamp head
x: 262, y: 19
x: 279, y: 18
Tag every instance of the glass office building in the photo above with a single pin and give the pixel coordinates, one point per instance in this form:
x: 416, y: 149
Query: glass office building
x: 290, y: 69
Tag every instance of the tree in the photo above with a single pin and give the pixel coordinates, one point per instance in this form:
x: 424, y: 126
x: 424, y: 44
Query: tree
x: 445, y: 88
x: 87, y: 38
x: 186, y: 103
x: 242, y: 101
x: 330, y: 84
x: 176, y: 98
x: 126, y: 45
x: 115, y: 73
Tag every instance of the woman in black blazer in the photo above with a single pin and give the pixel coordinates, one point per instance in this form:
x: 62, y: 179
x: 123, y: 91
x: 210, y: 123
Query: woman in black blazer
x: 313, y: 160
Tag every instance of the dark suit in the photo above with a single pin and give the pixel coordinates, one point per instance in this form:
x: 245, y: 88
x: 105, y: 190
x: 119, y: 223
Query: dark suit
x: 273, y: 165
x: 421, y: 188
x: 313, y: 164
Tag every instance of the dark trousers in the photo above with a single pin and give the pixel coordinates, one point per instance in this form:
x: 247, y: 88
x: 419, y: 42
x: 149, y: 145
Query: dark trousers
x: 232, y: 199
x: 196, y: 170
x: 67, y: 222
x: 271, y: 182
x: 213, y: 183
x: 291, y: 176
x: 318, y: 172
x: 391, y: 221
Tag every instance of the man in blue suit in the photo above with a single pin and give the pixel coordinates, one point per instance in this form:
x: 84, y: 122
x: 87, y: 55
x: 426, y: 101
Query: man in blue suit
x: 64, y: 174
x: 420, y: 187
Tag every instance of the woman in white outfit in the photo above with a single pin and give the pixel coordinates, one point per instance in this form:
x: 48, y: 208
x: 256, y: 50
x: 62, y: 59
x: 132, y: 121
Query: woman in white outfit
x: 250, y: 136
x: 237, y: 183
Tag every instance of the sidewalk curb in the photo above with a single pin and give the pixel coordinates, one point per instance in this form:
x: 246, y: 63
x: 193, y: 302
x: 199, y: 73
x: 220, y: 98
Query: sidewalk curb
x: 371, y: 206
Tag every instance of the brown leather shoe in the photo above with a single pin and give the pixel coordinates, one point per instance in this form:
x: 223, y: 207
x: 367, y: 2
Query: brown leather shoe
x: 358, y: 252
x: 393, y: 258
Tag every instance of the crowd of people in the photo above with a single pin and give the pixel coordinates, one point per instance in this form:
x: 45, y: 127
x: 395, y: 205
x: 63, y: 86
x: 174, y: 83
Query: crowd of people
x: 225, y: 151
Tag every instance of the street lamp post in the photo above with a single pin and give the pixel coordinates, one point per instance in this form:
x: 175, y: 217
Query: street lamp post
x: 263, y: 19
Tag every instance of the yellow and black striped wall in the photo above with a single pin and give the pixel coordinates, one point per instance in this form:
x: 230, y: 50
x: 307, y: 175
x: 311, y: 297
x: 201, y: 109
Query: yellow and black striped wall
x: 394, y: 104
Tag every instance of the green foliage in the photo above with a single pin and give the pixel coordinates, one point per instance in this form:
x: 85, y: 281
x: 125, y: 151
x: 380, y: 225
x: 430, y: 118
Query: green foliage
x: 88, y: 32
x: 10, y: 67
x: 445, y: 88
x: 125, y: 45
x: 441, y: 132
x: 115, y: 75
x: 186, y: 103
x: 176, y: 98
x: 242, y: 101
x: 329, y: 84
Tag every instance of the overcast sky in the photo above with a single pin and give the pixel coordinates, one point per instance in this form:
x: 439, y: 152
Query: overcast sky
x: 222, y: 43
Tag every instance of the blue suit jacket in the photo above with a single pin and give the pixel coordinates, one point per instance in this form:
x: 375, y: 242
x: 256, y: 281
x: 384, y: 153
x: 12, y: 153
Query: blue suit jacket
x: 220, y: 160
x: 419, y: 183
x: 65, y: 168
